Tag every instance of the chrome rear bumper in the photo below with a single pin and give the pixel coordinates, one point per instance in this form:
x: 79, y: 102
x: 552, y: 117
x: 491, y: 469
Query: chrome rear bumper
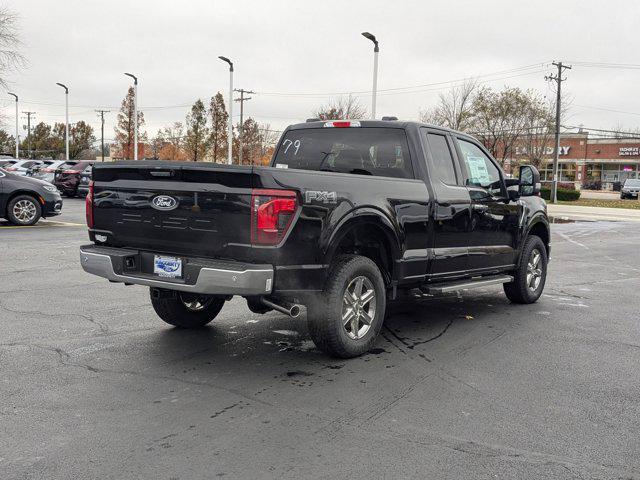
x: 225, y: 278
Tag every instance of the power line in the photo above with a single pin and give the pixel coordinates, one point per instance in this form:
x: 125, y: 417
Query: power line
x: 604, y: 109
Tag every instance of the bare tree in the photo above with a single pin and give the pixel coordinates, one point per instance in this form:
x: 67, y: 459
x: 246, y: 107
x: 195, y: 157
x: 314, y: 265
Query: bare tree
x: 539, y: 130
x: 455, y: 108
x: 268, y: 140
x: 500, y: 119
x: 173, y: 145
x: 341, y: 108
x: 10, y: 56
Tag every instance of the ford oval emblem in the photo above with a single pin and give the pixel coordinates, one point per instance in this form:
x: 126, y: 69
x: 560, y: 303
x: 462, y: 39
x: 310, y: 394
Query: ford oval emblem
x: 164, y: 202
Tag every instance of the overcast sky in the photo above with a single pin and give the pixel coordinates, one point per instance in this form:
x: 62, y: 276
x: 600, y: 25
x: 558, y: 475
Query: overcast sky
x: 315, y: 48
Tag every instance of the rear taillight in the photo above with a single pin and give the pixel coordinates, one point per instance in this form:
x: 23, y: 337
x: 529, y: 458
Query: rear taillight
x: 272, y: 212
x: 48, y: 170
x: 89, y: 205
x: 11, y: 169
x: 69, y: 172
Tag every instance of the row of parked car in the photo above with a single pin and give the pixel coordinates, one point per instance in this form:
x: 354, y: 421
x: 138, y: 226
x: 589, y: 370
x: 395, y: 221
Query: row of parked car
x: 71, y: 178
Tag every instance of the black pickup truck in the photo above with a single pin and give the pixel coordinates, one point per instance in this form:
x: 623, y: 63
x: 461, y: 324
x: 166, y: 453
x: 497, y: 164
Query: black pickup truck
x: 348, y: 214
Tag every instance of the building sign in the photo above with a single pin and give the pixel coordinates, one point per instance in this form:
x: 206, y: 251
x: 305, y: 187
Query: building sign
x: 629, y: 151
x: 547, y: 150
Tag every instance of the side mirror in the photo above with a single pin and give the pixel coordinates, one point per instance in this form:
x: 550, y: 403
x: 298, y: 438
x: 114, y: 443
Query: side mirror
x: 529, y: 184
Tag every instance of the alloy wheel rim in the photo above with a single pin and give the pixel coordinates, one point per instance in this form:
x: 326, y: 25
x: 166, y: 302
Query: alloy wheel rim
x: 358, y: 307
x: 24, y: 211
x: 534, y: 270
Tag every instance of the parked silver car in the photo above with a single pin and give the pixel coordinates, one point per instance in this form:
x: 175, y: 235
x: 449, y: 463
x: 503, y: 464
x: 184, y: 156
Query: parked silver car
x: 630, y: 188
x: 21, y: 167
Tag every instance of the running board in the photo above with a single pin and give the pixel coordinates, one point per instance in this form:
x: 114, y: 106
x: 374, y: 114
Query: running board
x: 466, y: 284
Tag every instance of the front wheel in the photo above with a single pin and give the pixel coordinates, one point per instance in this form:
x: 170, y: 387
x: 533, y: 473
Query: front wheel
x: 531, y: 274
x: 24, y: 210
x: 186, y: 310
x: 345, y: 319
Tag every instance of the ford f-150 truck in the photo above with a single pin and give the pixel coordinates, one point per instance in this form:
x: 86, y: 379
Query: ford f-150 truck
x: 347, y: 214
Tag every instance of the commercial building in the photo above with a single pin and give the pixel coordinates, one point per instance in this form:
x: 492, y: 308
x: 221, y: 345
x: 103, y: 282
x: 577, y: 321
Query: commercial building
x: 585, y: 159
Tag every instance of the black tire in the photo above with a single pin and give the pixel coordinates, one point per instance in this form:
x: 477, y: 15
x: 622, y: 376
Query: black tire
x: 325, y: 313
x: 522, y: 290
x: 187, y: 310
x: 24, y: 210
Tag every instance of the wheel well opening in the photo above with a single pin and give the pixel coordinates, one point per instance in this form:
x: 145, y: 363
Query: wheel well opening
x: 371, y: 242
x: 540, y: 230
x: 19, y: 193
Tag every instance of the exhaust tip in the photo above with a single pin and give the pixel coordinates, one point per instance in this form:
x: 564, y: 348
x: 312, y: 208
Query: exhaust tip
x: 294, y: 311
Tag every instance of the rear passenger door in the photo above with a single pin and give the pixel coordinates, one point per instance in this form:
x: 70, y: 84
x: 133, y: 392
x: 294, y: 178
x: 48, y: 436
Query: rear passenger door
x: 494, y: 221
x: 451, y: 208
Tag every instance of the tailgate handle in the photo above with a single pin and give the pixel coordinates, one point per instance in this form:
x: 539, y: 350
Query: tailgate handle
x: 162, y: 173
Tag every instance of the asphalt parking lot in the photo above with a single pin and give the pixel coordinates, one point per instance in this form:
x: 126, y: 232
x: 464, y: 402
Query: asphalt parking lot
x: 468, y: 386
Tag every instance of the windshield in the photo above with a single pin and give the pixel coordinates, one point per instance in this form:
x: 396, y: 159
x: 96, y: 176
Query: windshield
x: 365, y: 151
x: 632, y: 183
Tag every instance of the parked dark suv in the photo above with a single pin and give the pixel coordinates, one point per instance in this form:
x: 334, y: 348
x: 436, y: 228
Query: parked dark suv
x: 85, y: 178
x: 68, y: 179
x: 23, y: 200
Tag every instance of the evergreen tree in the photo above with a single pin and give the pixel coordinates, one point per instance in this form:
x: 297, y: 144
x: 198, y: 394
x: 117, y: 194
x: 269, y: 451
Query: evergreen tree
x: 125, y: 128
x: 7, y: 143
x: 197, y: 140
x: 219, y: 118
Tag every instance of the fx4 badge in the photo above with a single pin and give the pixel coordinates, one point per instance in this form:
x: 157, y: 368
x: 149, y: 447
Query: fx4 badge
x: 311, y: 196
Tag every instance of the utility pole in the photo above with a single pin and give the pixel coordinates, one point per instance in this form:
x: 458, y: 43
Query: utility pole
x: 17, y: 130
x: 101, y: 113
x: 28, y: 114
x: 558, y: 79
x: 242, y: 99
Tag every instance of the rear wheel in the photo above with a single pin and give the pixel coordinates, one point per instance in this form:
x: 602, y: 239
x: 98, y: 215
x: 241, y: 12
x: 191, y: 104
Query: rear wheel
x: 531, y: 274
x: 345, y: 319
x: 186, y: 310
x: 24, y: 210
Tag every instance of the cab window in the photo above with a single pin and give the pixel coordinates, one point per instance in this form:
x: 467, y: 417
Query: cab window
x: 381, y: 152
x: 480, y: 170
x: 442, y: 159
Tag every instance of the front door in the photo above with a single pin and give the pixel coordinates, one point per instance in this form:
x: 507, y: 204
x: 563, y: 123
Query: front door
x: 494, y: 221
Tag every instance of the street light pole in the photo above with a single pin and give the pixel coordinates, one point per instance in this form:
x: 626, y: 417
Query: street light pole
x: 230, y: 127
x: 374, y: 93
x: 17, y: 131
x: 135, y: 115
x: 66, y: 123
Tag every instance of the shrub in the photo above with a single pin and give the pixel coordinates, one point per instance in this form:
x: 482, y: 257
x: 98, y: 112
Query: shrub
x: 561, y: 185
x: 564, y: 195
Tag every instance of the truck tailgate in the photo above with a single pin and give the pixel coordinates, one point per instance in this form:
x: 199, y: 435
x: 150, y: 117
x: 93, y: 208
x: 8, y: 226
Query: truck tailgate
x: 179, y: 207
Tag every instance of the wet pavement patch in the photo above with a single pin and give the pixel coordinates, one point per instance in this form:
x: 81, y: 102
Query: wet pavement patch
x: 298, y: 373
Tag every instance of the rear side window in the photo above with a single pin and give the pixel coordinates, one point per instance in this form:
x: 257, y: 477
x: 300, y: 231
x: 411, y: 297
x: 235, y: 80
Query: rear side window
x: 382, y: 152
x: 443, y: 166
